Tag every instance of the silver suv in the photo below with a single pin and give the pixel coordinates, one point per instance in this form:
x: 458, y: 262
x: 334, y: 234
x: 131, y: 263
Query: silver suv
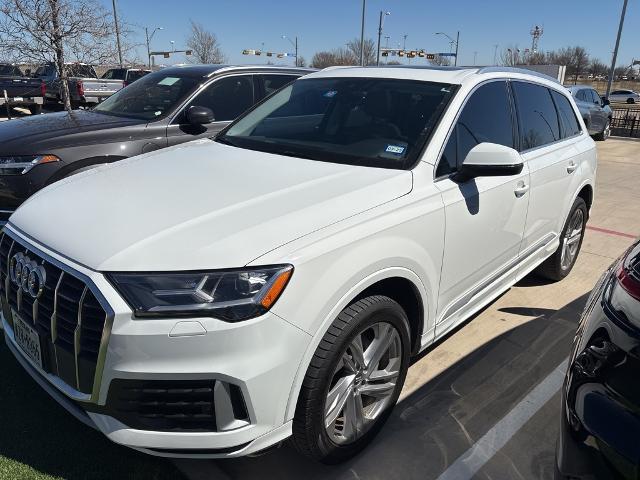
x: 594, y: 110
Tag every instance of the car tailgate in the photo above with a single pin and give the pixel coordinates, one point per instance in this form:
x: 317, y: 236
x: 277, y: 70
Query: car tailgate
x: 20, y: 87
x: 100, y: 87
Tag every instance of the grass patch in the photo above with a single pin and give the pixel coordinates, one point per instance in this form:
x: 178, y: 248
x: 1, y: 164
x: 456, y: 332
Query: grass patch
x: 39, y: 440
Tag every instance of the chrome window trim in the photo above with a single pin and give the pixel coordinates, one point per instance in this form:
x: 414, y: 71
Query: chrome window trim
x: 68, y: 390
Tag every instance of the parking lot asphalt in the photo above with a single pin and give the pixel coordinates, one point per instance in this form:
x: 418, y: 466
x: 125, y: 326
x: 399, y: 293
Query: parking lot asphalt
x: 484, y: 403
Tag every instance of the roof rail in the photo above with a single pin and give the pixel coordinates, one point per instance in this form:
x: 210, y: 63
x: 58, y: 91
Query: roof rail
x: 525, y: 71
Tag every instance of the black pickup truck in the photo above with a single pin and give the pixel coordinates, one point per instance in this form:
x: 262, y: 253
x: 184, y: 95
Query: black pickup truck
x: 20, y: 91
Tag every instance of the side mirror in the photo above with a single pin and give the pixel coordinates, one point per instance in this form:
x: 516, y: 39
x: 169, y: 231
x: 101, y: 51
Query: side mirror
x: 605, y: 101
x: 196, y: 115
x: 489, y: 160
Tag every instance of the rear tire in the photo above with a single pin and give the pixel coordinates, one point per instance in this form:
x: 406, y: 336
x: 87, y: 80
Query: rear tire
x: 35, y: 109
x: 604, y: 134
x: 560, y: 264
x: 631, y: 100
x: 353, y: 381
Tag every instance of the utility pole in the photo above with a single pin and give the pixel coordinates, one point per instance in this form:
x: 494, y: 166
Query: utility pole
x: 149, y: 37
x: 115, y: 19
x: 455, y: 63
x: 382, y: 15
x: 615, y: 50
x: 364, y: 8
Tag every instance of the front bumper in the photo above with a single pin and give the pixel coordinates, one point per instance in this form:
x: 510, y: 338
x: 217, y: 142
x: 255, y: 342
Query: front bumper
x: 260, y: 357
x: 15, y: 189
x: 600, y: 421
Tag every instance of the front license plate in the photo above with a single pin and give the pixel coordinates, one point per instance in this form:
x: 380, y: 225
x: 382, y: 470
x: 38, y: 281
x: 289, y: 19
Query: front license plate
x: 27, y: 339
x: 18, y: 99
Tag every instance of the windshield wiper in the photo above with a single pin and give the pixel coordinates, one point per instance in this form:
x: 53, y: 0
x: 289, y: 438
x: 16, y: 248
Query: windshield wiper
x: 225, y: 141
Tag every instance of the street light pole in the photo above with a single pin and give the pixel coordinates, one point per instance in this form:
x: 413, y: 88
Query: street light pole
x: 149, y: 38
x: 115, y: 19
x: 295, y: 44
x: 382, y: 15
x: 364, y: 8
x: 615, y: 50
x: 455, y: 62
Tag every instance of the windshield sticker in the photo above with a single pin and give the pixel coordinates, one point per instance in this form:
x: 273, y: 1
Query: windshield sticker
x: 168, y: 81
x: 330, y: 94
x: 157, y: 114
x: 397, y: 149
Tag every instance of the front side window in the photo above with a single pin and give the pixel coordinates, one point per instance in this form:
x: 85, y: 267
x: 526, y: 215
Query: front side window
x: 537, y: 114
x: 596, y: 97
x: 376, y: 122
x: 227, y: 97
x: 486, y: 117
x: 568, y: 121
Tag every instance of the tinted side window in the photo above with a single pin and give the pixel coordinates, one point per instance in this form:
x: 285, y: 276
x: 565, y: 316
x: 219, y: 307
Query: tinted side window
x: 537, y: 113
x: 227, y: 97
x: 272, y: 83
x: 596, y: 97
x: 568, y: 122
x: 486, y: 117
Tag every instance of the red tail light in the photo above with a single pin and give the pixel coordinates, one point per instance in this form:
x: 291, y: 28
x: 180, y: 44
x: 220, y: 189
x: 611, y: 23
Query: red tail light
x: 43, y: 89
x: 80, y: 86
x: 124, y: 84
x: 629, y: 273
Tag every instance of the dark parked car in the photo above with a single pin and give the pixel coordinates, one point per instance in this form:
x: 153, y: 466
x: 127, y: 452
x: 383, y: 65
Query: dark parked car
x: 594, y: 109
x: 165, y: 108
x: 85, y: 89
x: 21, y: 90
x: 600, y: 425
x: 127, y: 75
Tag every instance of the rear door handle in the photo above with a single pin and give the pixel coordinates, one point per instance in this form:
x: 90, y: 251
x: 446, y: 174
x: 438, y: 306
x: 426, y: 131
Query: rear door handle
x: 521, y: 190
x: 572, y: 167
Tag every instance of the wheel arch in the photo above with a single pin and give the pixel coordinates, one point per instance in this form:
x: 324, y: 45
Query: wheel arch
x: 387, y: 282
x: 85, y: 163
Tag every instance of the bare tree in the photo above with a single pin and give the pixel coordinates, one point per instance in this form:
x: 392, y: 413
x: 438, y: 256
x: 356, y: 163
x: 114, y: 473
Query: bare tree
x: 204, y: 45
x: 440, y: 61
x: 511, y: 56
x: 56, y: 31
x: 596, y: 67
x: 369, y: 50
x: 301, y: 61
x: 339, y: 56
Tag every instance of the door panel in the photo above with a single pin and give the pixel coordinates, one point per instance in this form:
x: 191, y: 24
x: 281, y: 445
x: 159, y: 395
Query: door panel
x: 485, y: 216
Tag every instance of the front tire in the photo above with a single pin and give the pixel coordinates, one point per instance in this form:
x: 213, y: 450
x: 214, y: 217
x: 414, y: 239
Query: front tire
x: 353, y: 381
x: 630, y: 100
x: 558, y: 265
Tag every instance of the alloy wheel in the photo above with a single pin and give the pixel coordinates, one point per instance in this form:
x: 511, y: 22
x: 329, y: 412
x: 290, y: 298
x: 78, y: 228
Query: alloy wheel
x: 571, y: 240
x: 363, y: 382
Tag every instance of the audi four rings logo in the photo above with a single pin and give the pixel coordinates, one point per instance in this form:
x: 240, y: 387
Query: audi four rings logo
x: 27, y: 275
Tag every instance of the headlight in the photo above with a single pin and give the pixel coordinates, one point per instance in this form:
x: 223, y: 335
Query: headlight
x: 230, y: 295
x: 21, y: 164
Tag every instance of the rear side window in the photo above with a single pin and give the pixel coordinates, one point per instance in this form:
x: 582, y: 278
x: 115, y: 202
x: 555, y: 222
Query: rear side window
x: 486, y: 117
x: 272, y: 83
x: 569, y: 125
x: 537, y: 114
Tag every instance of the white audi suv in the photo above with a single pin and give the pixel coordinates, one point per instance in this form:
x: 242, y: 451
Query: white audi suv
x: 215, y: 298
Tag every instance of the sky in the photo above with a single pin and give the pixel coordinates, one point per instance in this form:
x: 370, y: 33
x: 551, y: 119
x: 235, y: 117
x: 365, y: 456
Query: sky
x: 329, y: 24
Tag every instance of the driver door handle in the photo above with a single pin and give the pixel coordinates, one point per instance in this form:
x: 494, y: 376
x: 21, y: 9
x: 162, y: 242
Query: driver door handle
x: 572, y: 167
x: 521, y: 189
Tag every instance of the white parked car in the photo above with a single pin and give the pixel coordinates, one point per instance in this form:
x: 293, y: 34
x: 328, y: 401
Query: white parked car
x: 628, y: 96
x: 215, y: 298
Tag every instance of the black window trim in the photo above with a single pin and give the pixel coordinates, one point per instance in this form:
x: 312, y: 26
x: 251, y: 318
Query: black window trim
x: 514, y: 123
x: 574, y: 112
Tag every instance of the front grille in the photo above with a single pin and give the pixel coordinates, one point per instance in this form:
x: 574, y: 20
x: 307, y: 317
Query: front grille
x: 177, y: 405
x: 67, y: 315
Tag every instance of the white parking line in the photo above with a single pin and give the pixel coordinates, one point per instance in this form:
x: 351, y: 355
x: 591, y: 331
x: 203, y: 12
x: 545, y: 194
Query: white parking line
x: 467, y: 465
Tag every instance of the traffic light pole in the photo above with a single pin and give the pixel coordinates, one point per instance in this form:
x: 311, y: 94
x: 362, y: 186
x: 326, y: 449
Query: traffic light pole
x: 615, y: 50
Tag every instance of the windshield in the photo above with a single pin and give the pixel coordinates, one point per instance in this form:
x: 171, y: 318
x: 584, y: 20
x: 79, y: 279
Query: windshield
x: 375, y: 122
x: 151, y: 97
x: 81, y: 71
x: 9, y: 71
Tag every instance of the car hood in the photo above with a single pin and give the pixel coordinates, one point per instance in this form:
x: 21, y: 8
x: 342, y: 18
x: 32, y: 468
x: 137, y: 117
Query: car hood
x: 197, y: 206
x: 53, y: 128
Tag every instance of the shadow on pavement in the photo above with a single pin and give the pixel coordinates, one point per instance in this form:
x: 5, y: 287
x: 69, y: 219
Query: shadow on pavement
x: 433, y: 426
